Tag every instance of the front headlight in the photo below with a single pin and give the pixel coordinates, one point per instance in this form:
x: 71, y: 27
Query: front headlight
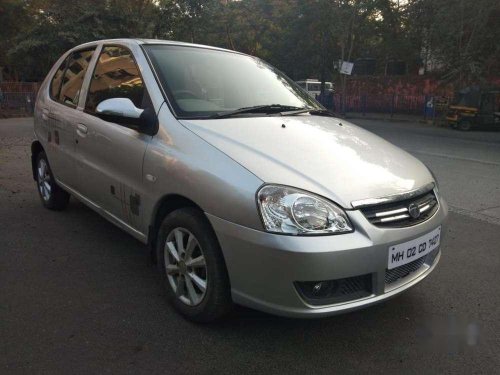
x: 292, y: 211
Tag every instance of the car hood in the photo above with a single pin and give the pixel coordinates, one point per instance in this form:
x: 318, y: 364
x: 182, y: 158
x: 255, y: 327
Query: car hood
x: 324, y: 155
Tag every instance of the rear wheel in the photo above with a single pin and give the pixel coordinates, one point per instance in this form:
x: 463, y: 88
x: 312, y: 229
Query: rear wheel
x: 191, y: 263
x: 464, y: 125
x: 51, y: 195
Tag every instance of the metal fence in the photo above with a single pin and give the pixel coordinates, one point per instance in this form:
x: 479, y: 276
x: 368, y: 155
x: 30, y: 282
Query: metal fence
x: 18, y: 99
x: 419, y: 105
x: 17, y: 103
x: 406, y: 104
x: 10, y: 86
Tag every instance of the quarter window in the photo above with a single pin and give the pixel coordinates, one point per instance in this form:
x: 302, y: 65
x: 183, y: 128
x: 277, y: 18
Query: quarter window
x: 73, y: 77
x: 55, y: 85
x: 116, y: 75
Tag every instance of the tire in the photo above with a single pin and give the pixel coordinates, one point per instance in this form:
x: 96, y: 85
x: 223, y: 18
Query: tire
x: 464, y: 125
x: 51, y: 195
x: 190, y: 226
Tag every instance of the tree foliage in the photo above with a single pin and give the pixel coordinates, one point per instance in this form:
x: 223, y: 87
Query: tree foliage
x: 305, y: 38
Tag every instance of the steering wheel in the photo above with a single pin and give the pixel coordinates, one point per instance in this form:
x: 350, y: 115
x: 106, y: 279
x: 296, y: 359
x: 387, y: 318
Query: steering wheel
x: 184, y: 94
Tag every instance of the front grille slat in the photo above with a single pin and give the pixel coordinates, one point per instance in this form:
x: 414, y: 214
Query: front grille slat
x: 406, y: 270
x: 403, y: 271
x: 391, y: 218
x: 397, y: 215
x: 388, y: 213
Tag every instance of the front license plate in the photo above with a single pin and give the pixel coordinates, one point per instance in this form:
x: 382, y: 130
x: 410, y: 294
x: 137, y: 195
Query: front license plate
x: 407, y: 252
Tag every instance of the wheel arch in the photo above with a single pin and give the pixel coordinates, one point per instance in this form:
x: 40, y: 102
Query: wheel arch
x: 166, y: 205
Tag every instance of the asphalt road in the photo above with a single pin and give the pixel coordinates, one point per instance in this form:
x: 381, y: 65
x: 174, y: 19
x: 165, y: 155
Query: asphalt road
x: 467, y: 164
x: 79, y: 296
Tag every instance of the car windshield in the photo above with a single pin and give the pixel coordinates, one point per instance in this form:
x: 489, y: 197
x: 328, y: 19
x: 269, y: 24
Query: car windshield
x: 202, y: 82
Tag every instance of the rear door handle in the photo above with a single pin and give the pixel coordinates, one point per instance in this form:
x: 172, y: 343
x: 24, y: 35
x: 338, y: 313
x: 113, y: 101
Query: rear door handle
x: 45, y: 113
x: 81, y: 129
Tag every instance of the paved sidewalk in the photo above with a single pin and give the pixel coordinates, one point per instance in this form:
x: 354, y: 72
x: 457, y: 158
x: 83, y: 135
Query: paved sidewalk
x: 396, y: 117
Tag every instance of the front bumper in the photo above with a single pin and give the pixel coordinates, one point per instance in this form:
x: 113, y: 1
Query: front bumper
x: 263, y: 267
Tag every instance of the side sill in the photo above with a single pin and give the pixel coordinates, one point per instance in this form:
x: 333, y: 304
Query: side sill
x: 107, y: 215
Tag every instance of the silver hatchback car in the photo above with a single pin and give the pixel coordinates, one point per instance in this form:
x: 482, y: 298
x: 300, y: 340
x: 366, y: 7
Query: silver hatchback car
x: 246, y: 189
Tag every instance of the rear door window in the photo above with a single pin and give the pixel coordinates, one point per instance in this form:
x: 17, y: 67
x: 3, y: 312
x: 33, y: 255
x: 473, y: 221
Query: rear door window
x: 55, y: 84
x: 74, y: 74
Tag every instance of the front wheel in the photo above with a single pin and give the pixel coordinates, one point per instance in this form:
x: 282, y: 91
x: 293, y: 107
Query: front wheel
x: 51, y: 195
x: 192, y: 266
x: 464, y: 125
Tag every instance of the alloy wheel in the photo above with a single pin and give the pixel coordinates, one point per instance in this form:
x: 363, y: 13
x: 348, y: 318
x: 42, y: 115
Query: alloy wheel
x: 43, y: 179
x: 185, y: 266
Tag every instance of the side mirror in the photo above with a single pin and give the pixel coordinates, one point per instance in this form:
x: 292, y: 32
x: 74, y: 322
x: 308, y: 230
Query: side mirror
x: 122, y: 107
x: 123, y: 111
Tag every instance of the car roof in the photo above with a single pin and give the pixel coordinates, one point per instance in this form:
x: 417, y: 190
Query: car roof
x: 152, y: 41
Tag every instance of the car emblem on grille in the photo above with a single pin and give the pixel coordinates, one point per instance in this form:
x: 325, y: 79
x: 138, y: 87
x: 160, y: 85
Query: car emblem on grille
x: 414, y: 210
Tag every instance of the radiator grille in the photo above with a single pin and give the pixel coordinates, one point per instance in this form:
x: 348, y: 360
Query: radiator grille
x: 403, y: 213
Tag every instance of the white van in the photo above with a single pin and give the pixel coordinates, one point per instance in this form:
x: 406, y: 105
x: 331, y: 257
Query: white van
x: 313, y: 86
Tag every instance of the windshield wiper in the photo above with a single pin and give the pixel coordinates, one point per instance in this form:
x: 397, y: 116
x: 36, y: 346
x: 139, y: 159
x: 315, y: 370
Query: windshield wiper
x: 268, y: 108
x: 312, y: 111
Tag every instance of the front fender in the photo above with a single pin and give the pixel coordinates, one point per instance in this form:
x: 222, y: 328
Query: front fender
x: 179, y: 162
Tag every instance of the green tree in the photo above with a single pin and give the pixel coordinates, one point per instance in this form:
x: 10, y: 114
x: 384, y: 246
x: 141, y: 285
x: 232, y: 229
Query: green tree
x: 458, y: 39
x: 463, y: 38
x: 58, y: 25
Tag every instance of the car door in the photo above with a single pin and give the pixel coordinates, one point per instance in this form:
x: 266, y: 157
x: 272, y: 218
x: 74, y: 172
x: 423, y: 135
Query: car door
x: 63, y: 115
x: 110, y: 155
